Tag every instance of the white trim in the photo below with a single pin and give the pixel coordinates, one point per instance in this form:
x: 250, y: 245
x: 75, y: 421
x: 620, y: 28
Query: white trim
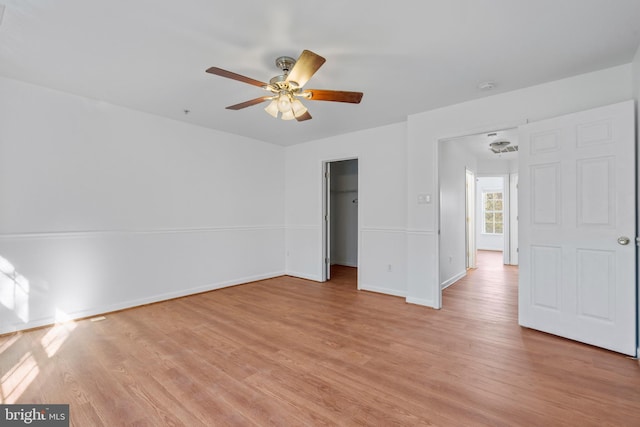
x: 98, y: 233
x: 302, y: 227
x: 422, y: 301
x: 385, y: 291
x: 452, y: 280
x: 371, y: 229
x: 50, y: 320
x: 312, y: 277
x: 417, y: 232
x: 383, y: 230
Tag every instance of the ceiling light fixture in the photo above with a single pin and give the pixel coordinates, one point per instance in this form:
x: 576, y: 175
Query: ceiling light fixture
x: 285, y: 104
x: 498, y: 145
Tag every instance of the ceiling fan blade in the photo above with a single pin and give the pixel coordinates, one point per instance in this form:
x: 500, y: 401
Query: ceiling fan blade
x: 305, y: 67
x: 303, y: 117
x: 228, y: 74
x: 248, y: 103
x: 334, y: 95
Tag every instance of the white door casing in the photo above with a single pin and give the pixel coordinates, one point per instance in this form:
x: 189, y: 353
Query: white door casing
x: 326, y: 221
x: 513, y: 219
x: 577, y: 197
x: 470, y: 219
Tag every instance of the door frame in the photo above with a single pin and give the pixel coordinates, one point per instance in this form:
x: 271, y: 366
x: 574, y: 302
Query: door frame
x: 444, y: 139
x: 470, y: 207
x: 325, y: 218
x: 513, y: 218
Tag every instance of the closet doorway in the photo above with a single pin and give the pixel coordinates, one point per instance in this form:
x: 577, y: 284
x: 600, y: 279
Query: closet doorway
x: 340, y: 217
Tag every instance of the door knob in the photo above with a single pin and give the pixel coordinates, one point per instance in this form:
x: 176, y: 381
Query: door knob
x: 623, y: 240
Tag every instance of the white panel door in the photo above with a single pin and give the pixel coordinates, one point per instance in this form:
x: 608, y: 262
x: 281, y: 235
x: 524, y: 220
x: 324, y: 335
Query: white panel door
x: 577, y: 205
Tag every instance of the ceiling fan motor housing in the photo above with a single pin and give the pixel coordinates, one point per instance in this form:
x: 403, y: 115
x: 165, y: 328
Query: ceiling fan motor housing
x: 285, y: 63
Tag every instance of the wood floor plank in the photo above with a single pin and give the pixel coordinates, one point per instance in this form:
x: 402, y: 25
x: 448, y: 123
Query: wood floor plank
x: 287, y: 351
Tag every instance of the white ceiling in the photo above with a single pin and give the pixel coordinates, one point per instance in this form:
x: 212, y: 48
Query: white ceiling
x: 407, y: 56
x: 478, y: 144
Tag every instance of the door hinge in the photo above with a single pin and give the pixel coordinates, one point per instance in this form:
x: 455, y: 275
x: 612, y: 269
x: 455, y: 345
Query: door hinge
x: 637, y: 241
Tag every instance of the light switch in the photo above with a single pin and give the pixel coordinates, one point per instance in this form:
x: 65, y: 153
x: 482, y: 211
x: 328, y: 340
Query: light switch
x: 424, y: 199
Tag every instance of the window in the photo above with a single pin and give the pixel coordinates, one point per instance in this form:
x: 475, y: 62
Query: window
x: 492, y: 207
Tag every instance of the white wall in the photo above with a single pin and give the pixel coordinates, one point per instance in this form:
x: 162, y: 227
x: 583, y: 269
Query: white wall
x: 497, y: 166
x: 382, y: 157
x: 495, y: 112
x: 105, y: 208
x: 344, y: 213
x: 454, y: 159
x: 491, y: 242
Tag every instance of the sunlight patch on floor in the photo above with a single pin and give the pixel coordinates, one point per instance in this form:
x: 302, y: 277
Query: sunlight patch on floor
x: 18, y: 378
x: 58, y: 334
x: 8, y: 343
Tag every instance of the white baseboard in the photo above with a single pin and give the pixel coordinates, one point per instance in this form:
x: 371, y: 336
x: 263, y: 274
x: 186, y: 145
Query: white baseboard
x: 304, y: 276
x: 421, y: 301
x: 94, y: 311
x: 452, y: 280
x: 386, y: 291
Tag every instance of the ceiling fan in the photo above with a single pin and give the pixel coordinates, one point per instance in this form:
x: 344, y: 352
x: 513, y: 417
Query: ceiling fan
x: 502, y: 146
x: 286, y: 89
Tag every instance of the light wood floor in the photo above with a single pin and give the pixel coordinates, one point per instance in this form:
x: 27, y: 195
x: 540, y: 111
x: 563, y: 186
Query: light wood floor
x: 290, y: 352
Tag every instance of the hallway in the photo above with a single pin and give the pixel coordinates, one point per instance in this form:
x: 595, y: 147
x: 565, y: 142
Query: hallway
x: 490, y: 290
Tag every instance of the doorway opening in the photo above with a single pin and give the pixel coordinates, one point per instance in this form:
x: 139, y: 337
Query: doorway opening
x: 496, y: 203
x: 476, y: 175
x: 340, y: 226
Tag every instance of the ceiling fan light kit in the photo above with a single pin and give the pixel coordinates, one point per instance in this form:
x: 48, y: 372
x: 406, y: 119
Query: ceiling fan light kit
x: 502, y: 146
x: 287, y: 89
x: 272, y: 108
